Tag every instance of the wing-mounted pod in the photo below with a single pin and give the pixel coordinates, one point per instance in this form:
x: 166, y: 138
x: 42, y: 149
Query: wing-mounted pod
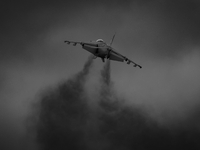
x: 128, y: 61
x: 74, y: 43
x: 135, y: 65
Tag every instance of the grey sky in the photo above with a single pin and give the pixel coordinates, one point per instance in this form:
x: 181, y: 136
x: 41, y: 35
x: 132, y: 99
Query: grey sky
x: 162, y: 36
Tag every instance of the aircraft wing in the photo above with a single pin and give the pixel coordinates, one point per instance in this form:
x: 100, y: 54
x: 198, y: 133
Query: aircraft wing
x: 135, y: 64
x: 125, y: 58
x: 73, y: 42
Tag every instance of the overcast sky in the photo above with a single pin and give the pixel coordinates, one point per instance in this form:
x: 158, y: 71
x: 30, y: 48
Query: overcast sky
x: 162, y: 36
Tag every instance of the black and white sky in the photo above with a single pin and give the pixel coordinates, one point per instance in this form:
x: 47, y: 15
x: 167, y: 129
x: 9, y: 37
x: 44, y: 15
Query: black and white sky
x: 163, y: 36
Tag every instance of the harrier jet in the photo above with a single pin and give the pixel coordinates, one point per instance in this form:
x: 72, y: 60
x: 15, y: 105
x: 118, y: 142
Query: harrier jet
x: 100, y: 49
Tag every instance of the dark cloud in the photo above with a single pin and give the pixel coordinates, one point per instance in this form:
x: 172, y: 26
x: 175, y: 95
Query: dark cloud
x: 162, y: 27
x: 182, y: 25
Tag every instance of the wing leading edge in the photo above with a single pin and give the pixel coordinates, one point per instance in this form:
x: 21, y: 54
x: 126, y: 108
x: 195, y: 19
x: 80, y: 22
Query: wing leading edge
x: 74, y: 43
x: 113, y: 53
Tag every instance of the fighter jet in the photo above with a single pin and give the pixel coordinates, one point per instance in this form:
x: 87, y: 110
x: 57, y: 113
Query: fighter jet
x: 99, y: 48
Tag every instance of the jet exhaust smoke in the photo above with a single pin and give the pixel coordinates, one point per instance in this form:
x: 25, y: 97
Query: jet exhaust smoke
x: 107, y: 98
x: 62, y: 113
x: 105, y: 73
x: 81, y: 75
x: 66, y: 121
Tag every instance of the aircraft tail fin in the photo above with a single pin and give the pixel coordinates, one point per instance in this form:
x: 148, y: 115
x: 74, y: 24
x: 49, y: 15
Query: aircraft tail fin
x: 112, y: 39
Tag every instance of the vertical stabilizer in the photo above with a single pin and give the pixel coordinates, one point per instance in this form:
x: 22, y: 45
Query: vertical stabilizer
x: 112, y: 39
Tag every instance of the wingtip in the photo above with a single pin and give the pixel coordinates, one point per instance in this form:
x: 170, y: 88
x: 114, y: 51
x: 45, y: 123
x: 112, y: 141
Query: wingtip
x: 137, y: 66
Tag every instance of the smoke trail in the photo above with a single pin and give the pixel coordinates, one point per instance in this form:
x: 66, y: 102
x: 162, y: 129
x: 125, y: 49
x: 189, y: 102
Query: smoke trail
x: 107, y: 98
x: 105, y: 73
x: 106, y: 84
x: 66, y: 121
x: 62, y: 113
x: 118, y: 122
x: 81, y: 76
x: 128, y: 127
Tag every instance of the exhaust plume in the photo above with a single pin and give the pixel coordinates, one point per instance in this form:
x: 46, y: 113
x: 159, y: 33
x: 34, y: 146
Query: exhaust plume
x: 105, y: 73
x: 107, y: 98
x: 62, y: 113
x: 67, y: 121
x: 82, y: 75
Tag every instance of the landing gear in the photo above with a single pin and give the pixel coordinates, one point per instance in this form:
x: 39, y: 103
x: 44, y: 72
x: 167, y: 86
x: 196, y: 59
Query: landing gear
x: 103, y: 59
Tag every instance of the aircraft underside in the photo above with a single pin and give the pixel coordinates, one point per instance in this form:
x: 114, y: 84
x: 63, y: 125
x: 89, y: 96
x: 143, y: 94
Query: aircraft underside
x: 102, y: 50
x: 103, y: 53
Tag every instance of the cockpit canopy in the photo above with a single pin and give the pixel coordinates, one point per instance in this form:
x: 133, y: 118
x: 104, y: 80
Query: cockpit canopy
x: 100, y: 40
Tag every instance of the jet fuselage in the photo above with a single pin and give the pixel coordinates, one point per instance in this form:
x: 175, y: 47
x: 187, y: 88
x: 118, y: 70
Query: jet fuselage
x: 98, y: 49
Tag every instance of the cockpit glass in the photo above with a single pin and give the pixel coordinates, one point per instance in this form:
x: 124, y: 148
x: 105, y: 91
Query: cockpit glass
x: 99, y: 40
